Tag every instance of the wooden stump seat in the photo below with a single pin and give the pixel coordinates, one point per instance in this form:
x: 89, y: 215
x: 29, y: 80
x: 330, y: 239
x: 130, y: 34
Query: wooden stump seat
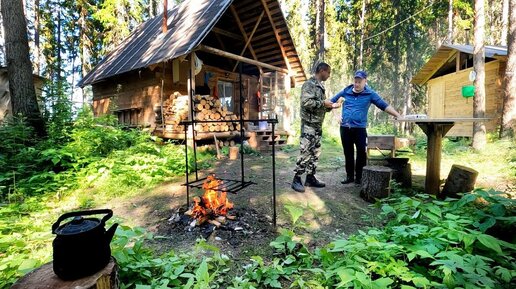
x: 402, y: 171
x: 375, y: 182
x: 461, y: 179
x: 45, y: 278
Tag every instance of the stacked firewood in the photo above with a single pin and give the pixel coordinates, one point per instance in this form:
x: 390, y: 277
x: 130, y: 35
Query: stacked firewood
x: 209, y: 108
x: 175, y: 110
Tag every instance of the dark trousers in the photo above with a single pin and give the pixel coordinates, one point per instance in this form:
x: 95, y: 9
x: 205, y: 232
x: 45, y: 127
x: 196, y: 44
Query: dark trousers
x: 351, y: 138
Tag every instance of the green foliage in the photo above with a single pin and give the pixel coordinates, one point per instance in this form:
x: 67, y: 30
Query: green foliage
x: 25, y: 239
x: 95, y: 153
x: 140, y: 268
x: 423, y: 243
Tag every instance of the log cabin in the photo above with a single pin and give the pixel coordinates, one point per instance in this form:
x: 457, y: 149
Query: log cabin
x: 5, y: 98
x: 448, y: 76
x: 192, y: 66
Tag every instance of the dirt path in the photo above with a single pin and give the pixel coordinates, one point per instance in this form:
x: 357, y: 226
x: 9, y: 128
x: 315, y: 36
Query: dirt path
x: 336, y: 210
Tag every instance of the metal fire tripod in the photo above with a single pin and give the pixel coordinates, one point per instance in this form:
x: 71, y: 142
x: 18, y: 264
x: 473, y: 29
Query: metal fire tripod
x: 230, y: 186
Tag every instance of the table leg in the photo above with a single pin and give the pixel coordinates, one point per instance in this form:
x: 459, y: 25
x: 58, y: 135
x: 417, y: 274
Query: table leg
x: 433, y: 160
x: 435, y: 133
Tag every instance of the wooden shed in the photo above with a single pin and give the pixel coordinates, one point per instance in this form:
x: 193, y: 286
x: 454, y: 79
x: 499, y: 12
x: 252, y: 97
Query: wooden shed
x: 5, y: 98
x: 199, y: 52
x: 448, y: 75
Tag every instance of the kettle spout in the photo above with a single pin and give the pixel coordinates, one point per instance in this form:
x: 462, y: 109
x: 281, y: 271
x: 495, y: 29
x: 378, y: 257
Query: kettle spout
x: 111, y: 232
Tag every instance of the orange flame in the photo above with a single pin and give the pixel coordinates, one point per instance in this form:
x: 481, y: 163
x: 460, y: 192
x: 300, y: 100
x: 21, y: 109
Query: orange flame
x: 213, y: 203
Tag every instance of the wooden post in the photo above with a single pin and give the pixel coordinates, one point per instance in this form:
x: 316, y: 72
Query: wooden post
x: 375, y: 183
x: 229, y: 55
x: 460, y: 180
x: 435, y: 132
x: 44, y: 278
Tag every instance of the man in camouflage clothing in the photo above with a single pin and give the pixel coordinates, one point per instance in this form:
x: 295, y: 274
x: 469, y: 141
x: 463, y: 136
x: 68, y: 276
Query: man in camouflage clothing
x: 313, y: 108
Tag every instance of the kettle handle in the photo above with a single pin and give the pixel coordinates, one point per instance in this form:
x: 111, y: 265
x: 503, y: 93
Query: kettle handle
x: 108, y: 212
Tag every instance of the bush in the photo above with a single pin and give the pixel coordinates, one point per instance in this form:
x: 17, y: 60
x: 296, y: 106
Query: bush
x: 97, y: 153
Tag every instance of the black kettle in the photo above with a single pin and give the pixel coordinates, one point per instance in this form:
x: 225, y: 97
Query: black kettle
x: 81, y: 247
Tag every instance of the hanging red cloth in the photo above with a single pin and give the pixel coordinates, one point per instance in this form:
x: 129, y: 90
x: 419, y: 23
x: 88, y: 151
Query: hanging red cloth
x: 215, y: 91
x: 259, y: 98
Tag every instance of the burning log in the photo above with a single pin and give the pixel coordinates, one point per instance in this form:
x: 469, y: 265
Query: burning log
x: 213, y: 206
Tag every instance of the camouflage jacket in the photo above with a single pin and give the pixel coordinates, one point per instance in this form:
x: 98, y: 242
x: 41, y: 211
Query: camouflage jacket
x: 312, y: 102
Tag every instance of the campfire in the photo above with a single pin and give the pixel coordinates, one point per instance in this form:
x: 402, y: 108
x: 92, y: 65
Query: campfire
x: 213, y: 205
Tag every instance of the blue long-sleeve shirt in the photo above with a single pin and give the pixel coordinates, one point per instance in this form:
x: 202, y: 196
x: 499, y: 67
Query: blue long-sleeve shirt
x: 356, y: 105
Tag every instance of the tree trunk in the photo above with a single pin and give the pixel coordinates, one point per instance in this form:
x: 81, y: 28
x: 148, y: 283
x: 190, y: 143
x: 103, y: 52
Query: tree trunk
x: 509, y: 107
x: 505, y: 22
x: 19, y: 67
x: 479, y: 102
x: 151, y: 9
x: 83, y: 41
x: 2, y: 46
x: 58, y: 46
x: 37, y: 53
x: 450, y: 22
x: 362, y: 32
x: 320, y: 30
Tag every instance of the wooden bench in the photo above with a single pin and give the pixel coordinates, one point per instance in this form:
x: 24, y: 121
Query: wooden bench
x: 382, y: 142
x: 388, y: 142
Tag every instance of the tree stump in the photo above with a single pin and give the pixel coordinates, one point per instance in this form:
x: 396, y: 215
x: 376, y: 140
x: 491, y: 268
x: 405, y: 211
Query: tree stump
x: 45, y: 278
x: 233, y: 152
x: 402, y: 171
x: 461, y: 179
x: 375, y: 183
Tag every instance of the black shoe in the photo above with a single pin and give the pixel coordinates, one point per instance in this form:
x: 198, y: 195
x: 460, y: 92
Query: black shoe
x: 358, y: 181
x: 312, y: 181
x: 297, y: 185
x: 347, y: 181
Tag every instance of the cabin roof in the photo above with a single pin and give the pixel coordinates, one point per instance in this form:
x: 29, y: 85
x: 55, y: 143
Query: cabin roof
x: 189, y: 24
x: 445, y: 53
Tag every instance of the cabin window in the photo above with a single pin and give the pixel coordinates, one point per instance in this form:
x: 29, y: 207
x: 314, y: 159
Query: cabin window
x: 225, y: 93
x: 129, y: 117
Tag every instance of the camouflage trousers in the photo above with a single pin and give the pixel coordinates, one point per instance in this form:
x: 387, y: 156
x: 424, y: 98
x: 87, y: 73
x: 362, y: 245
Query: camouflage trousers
x: 310, y: 149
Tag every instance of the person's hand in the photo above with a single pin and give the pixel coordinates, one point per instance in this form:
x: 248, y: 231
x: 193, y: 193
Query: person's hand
x: 328, y: 104
x: 336, y: 105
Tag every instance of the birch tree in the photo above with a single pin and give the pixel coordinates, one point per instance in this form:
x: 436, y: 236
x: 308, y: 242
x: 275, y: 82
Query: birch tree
x: 479, y: 102
x: 509, y: 108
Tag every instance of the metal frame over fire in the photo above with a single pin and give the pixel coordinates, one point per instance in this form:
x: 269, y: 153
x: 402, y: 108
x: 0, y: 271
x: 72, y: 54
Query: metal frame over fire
x: 229, y: 185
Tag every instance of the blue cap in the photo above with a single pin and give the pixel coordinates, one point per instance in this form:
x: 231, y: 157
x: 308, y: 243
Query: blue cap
x: 361, y: 74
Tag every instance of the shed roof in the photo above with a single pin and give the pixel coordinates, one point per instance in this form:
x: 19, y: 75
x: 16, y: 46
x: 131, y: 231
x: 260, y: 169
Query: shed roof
x: 445, y: 53
x: 189, y: 23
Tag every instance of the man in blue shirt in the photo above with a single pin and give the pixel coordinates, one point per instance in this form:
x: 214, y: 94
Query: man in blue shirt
x: 357, y: 99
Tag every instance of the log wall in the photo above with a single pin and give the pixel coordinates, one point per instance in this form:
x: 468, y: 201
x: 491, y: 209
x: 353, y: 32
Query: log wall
x: 133, y: 95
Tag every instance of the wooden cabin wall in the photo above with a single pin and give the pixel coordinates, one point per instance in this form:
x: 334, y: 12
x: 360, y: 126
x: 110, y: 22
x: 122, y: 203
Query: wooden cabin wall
x: 139, y: 92
x: 445, y: 98
x: 250, y: 87
x: 5, y: 97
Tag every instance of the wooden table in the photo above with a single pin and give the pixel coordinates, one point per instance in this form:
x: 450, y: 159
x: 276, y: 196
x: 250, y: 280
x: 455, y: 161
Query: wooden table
x: 435, y: 129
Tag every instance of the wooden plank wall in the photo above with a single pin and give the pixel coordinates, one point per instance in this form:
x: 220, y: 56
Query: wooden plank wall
x: 141, y: 89
x: 5, y: 97
x: 454, y: 105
